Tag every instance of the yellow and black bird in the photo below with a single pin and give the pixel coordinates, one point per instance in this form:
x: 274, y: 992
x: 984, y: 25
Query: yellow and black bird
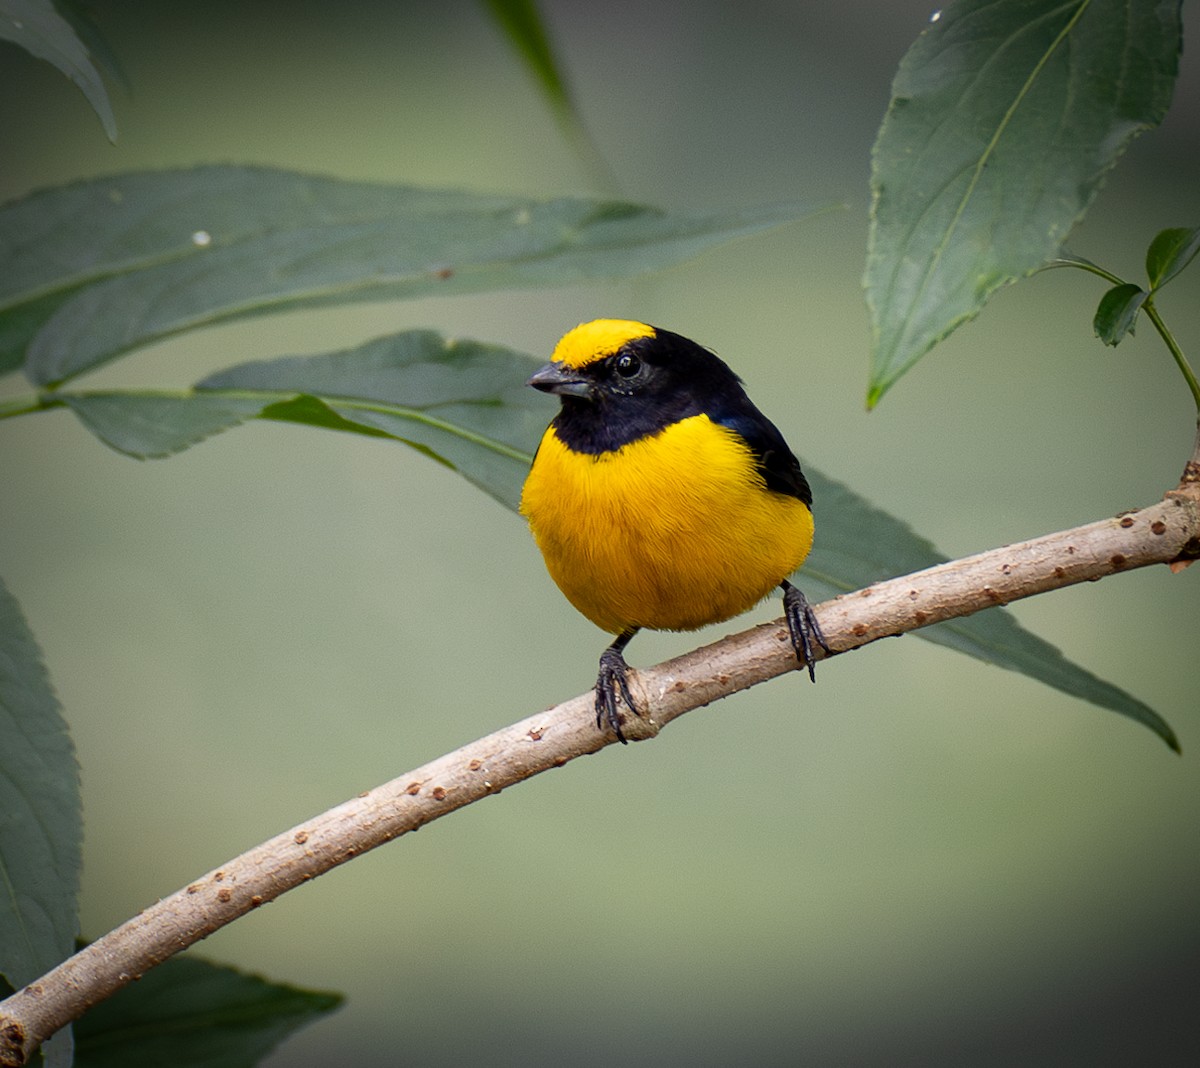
x: 660, y: 496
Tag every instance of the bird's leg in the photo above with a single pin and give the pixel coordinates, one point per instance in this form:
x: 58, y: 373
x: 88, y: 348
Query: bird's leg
x: 611, y: 680
x: 803, y: 625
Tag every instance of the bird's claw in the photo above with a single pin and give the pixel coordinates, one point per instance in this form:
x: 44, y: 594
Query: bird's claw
x: 803, y: 627
x: 611, y: 681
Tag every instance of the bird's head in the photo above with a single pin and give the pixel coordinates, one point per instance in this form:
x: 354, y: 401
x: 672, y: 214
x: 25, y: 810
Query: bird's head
x: 624, y: 358
x: 620, y: 380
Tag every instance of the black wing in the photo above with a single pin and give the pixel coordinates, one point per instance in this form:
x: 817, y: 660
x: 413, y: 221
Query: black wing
x: 776, y: 462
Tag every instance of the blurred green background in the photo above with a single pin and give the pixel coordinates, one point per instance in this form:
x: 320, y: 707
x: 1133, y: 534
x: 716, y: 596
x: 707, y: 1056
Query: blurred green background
x: 920, y: 860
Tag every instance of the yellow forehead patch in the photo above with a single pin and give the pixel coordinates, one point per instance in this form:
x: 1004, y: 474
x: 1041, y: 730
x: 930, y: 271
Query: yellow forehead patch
x: 595, y: 340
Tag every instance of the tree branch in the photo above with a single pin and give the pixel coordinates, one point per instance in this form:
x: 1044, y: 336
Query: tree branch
x: 1164, y: 533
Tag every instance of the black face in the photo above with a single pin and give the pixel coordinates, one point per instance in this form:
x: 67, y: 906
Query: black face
x: 648, y: 384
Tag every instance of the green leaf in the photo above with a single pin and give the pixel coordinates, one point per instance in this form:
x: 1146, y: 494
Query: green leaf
x: 41, y: 825
x: 19, y: 325
x: 1117, y: 312
x: 522, y: 24
x: 144, y: 256
x: 857, y: 544
x: 996, y: 637
x: 189, y: 1013
x: 1169, y: 253
x: 462, y: 403
x: 153, y: 425
x: 465, y: 405
x: 1006, y: 116
x: 38, y: 27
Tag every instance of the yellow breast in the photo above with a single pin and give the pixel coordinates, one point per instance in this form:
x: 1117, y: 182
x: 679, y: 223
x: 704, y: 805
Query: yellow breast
x: 671, y: 532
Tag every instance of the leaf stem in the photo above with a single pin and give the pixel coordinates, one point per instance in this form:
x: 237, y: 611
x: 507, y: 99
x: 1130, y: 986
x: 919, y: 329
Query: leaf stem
x: 1151, y: 311
x: 1180, y: 359
x: 1072, y: 260
x: 27, y: 403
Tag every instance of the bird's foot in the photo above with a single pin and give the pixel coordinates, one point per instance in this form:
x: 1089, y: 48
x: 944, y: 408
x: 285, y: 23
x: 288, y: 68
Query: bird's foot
x: 803, y: 626
x: 612, y: 681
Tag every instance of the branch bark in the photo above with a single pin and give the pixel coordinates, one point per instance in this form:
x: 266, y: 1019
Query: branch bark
x: 1164, y: 533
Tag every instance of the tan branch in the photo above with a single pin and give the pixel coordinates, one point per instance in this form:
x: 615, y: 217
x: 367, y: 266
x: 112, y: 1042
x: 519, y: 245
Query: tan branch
x: 1167, y: 532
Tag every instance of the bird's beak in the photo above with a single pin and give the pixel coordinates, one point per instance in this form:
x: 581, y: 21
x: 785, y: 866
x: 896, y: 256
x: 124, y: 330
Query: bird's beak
x: 561, y: 379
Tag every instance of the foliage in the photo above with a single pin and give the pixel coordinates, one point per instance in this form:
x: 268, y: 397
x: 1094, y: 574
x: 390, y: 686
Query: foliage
x: 44, y: 31
x: 194, y: 1014
x: 101, y: 268
x: 42, y: 827
x: 978, y: 180
x: 1117, y: 313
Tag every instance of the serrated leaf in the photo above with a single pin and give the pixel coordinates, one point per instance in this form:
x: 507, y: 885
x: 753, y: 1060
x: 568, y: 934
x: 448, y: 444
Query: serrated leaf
x: 1117, y: 312
x: 189, y: 1013
x: 150, y: 425
x: 144, y: 256
x: 1006, y: 116
x: 41, y: 825
x: 1169, y: 253
x: 465, y: 405
x: 858, y: 544
x: 462, y: 402
x: 38, y: 27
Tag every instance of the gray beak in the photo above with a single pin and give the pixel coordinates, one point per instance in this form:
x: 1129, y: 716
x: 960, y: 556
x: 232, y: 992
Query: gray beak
x: 560, y: 379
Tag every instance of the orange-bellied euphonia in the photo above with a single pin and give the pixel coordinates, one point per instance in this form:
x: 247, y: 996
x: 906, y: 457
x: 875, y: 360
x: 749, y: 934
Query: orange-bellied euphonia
x: 660, y: 496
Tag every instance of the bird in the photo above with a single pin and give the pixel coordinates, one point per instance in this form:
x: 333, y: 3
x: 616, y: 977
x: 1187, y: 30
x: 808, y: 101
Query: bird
x: 660, y: 497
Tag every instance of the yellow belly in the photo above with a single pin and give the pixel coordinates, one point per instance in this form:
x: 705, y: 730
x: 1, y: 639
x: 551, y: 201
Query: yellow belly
x: 670, y: 532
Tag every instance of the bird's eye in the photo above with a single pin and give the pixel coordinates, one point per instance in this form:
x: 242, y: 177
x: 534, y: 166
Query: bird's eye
x: 627, y: 365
